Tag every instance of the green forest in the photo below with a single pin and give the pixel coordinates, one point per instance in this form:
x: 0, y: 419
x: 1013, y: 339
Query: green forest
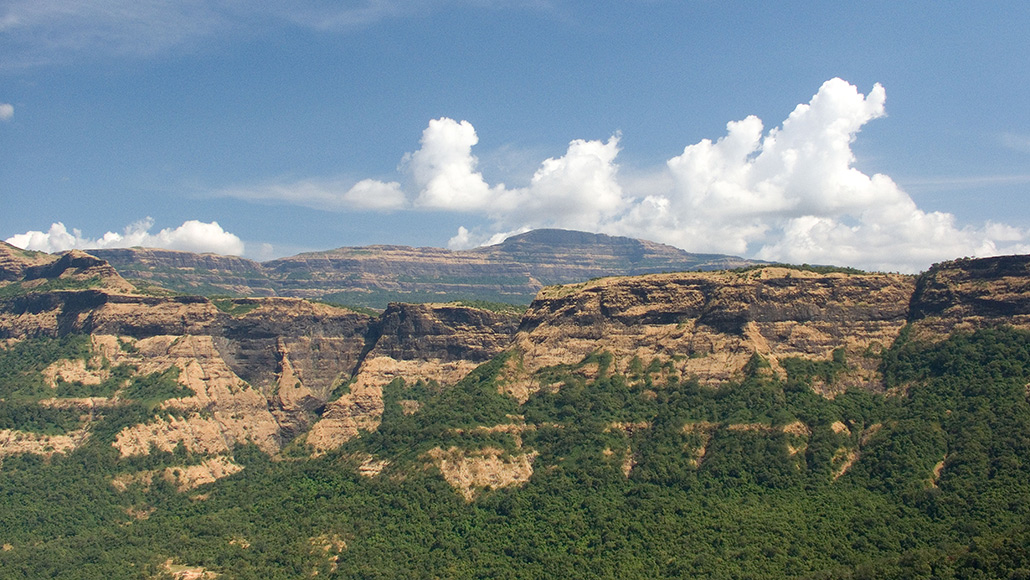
x: 759, y: 478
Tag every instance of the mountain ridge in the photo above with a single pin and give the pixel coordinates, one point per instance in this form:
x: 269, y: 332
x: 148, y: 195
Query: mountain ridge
x: 372, y: 276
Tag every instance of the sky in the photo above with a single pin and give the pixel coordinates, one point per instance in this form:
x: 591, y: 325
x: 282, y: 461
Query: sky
x: 879, y: 135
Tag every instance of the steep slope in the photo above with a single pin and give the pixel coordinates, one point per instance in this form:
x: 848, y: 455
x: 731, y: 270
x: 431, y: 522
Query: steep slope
x: 436, y: 343
x: 256, y: 370
x: 972, y: 293
x: 710, y: 325
x: 189, y: 272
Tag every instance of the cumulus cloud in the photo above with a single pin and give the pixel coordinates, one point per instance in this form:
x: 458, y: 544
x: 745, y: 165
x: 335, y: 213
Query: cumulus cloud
x: 577, y: 190
x: 445, y: 169
x: 333, y: 195
x: 6, y: 111
x: 191, y: 236
x: 790, y: 194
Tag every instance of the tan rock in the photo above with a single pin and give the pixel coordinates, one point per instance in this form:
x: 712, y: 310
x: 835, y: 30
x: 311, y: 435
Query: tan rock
x: 708, y: 325
x: 470, y: 471
x: 359, y: 410
x: 839, y: 427
x: 14, y: 442
x: 187, y: 477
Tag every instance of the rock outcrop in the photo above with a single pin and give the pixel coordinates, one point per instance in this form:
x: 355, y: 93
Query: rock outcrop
x: 428, y: 342
x: 972, y: 293
x: 709, y: 325
x: 262, y: 370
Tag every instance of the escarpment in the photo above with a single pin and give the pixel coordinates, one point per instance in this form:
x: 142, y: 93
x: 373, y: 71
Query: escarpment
x: 709, y: 325
x: 268, y: 370
x: 438, y: 343
x: 972, y: 293
x: 512, y: 271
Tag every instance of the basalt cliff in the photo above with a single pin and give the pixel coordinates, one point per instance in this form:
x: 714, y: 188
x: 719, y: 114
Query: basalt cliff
x: 277, y: 372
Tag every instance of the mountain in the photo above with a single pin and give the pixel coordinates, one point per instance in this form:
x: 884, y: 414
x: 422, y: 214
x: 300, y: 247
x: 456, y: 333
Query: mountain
x: 772, y: 422
x: 512, y: 271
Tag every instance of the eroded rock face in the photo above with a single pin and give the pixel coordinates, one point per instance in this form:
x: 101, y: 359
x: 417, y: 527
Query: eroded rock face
x: 224, y: 412
x: 710, y: 324
x: 971, y: 294
x: 345, y: 418
x: 440, y: 342
x: 429, y: 342
x: 512, y: 271
x: 487, y: 468
x: 265, y: 370
x: 14, y: 442
x: 14, y: 261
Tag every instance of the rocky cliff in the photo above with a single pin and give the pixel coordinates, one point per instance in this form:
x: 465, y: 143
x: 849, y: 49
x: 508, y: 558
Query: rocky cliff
x: 269, y: 371
x: 710, y: 325
x: 261, y: 370
x: 972, y: 293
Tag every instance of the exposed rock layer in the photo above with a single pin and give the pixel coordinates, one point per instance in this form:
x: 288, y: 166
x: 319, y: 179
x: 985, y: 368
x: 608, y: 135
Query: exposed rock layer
x: 708, y: 325
x: 265, y: 370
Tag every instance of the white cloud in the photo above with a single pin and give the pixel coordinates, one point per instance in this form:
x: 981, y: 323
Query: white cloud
x: 790, y: 194
x: 6, y: 111
x: 445, y: 169
x: 466, y: 239
x: 1016, y: 142
x: 191, y: 236
x: 578, y: 189
x: 793, y: 195
x: 334, y: 195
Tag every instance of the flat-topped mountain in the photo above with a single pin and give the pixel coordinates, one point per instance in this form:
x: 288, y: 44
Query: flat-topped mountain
x: 512, y: 271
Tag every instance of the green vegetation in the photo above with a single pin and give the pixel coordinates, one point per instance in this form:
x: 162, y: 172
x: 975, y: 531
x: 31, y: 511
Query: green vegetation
x: 380, y: 299
x: 154, y: 388
x: 234, y: 307
x: 22, y: 363
x: 22, y: 288
x: 118, y: 377
x: 498, y: 307
x: 724, y: 483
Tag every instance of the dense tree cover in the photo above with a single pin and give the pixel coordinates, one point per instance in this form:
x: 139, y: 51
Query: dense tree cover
x: 939, y: 486
x: 22, y: 362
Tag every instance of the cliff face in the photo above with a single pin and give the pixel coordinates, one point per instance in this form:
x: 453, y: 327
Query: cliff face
x: 708, y: 325
x: 262, y: 369
x: 14, y: 261
x: 969, y: 294
x: 193, y: 273
x: 428, y: 342
x: 268, y: 370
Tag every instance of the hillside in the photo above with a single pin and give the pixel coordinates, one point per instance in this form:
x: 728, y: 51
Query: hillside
x: 512, y: 271
x: 776, y: 422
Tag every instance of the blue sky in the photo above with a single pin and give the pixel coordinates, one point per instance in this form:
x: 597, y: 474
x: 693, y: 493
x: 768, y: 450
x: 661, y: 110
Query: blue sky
x: 883, y: 135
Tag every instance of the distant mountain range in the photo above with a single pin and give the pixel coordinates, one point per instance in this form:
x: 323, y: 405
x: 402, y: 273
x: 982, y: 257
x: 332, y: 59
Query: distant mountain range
x: 373, y: 276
